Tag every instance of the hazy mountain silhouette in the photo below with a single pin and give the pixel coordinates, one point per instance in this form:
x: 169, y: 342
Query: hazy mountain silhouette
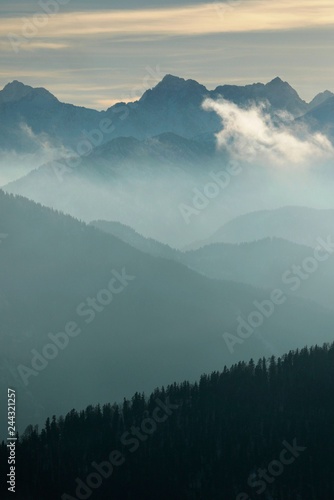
x: 300, y: 225
x: 165, y: 153
x: 173, y: 105
x: 280, y: 96
x: 136, y: 240
x: 321, y: 117
x: 320, y: 99
x: 168, y: 321
x: 262, y: 263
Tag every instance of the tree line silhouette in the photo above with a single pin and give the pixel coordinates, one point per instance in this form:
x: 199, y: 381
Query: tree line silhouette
x: 213, y: 439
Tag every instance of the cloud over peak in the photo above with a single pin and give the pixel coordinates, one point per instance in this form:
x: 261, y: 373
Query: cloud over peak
x: 252, y: 135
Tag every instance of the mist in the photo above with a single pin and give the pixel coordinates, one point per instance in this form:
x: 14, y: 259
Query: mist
x: 258, y: 162
x: 166, y: 250
x: 28, y: 151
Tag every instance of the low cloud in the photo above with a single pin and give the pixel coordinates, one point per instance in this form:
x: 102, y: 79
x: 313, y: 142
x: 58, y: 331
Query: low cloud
x: 250, y: 135
x: 14, y: 164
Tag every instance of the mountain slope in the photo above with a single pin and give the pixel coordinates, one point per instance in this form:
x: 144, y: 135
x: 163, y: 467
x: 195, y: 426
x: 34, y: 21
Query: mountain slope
x: 166, y: 320
x: 173, y: 105
x: 321, y: 117
x: 14, y: 91
x: 320, y: 99
x: 30, y: 115
x: 157, y: 154
x: 301, y: 225
x: 124, y: 178
x: 136, y: 240
x: 266, y: 263
x: 280, y: 96
x: 224, y: 436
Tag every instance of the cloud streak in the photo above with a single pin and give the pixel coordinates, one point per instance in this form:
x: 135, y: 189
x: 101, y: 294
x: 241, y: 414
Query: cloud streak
x: 34, y: 45
x: 211, y: 43
x: 247, y: 16
x: 250, y: 135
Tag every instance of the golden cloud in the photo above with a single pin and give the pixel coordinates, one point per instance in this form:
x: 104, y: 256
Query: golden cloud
x: 217, y: 17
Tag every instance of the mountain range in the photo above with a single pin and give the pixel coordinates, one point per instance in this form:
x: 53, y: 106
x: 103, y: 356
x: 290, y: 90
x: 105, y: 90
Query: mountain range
x: 136, y: 163
x: 108, y: 164
x: 301, y: 225
x: 165, y: 321
x: 259, y: 259
x: 29, y: 115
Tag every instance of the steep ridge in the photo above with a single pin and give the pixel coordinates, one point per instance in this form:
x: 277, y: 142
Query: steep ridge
x: 162, y: 319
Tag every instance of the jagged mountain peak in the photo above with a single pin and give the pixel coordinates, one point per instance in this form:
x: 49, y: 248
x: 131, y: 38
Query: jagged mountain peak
x: 320, y: 98
x: 276, y: 81
x: 15, y: 91
x: 171, y: 84
x: 16, y: 85
x: 283, y: 96
x: 172, y: 79
x: 176, y: 81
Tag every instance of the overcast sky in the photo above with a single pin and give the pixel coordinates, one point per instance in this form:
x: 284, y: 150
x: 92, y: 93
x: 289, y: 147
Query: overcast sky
x: 95, y: 53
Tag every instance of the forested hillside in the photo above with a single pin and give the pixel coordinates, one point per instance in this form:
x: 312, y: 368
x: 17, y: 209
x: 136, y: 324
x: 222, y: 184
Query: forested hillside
x: 259, y: 430
x: 167, y: 324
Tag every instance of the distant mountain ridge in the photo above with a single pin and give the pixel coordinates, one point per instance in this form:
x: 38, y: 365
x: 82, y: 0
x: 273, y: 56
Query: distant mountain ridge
x: 300, y: 225
x: 168, y: 321
x: 122, y: 158
x: 14, y: 92
x: 279, y: 94
x: 173, y: 105
x: 321, y: 117
x: 261, y: 263
x: 320, y: 99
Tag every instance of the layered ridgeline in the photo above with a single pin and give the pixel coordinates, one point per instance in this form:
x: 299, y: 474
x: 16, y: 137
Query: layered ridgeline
x: 172, y: 105
x: 163, y: 152
x: 125, y: 174
x: 257, y: 430
x: 264, y: 252
x: 301, y: 225
x: 96, y: 319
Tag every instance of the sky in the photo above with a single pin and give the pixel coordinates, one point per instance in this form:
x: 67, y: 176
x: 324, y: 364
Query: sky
x: 97, y: 53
